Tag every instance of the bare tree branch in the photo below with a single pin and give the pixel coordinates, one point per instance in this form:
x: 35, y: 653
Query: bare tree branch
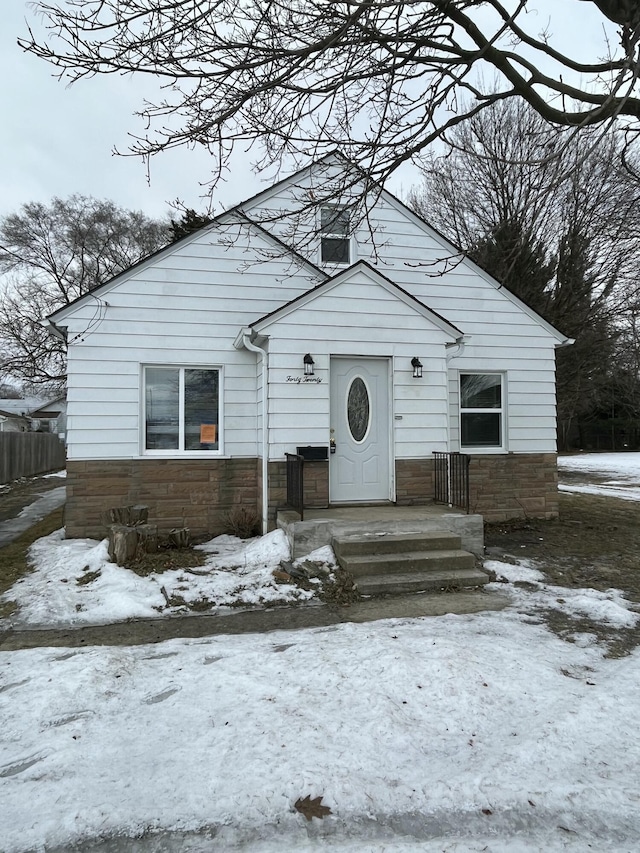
x: 50, y: 255
x: 556, y: 219
x: 297, y: 78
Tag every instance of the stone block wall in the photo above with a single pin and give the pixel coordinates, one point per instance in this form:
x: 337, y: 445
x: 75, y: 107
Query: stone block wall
x: 501, y: 486
x: 414, y: 481
x: 197, y: 493
x: 514, y: 485
x: 194, y: 493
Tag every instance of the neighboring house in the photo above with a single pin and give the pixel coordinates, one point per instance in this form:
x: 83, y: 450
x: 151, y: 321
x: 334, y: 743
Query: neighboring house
x: 191, y: 374
x: 41, y: 414
x: 51, y: 416
x: 11, y: 422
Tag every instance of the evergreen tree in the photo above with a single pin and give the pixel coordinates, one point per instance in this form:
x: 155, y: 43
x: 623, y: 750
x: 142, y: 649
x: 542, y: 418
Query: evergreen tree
x: 189, y: 222
x: 518, y: 261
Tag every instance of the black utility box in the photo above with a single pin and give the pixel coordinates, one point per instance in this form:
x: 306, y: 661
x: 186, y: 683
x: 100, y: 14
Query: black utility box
x: 313, y: 454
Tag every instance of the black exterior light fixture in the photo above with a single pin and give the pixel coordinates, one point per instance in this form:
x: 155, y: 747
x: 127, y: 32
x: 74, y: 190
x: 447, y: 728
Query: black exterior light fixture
x: 308, y: 365
x: 417, y: 367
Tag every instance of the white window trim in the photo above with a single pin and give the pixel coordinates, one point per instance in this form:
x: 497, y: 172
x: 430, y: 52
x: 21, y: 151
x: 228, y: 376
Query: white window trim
x: 349, y: 238
x: 502, y: 411
x: 181, y: 454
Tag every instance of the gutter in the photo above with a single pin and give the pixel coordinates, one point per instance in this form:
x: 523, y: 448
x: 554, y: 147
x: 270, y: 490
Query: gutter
x: 59, y: 332
x: 243, y: 339
x: 456, y: 349
x: 565, y: 343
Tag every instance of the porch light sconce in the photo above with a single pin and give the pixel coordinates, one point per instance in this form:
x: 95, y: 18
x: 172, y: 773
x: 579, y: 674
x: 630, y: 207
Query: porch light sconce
x: 308, y: 365
x: 417, y: 367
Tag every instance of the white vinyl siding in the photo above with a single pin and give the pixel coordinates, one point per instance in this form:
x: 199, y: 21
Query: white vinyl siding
x: 388, y: 328
x: 151, y: 317
x: 502, y: 336
x: 185, y: 307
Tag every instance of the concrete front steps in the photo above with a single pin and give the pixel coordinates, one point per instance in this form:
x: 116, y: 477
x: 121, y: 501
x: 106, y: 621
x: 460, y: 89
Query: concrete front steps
x: 394, y: 563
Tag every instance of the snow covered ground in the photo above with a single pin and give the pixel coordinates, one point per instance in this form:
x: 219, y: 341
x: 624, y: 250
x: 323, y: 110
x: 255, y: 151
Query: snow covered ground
x: 236, y: 573
x: 483, y: 732
x: 614, y: 474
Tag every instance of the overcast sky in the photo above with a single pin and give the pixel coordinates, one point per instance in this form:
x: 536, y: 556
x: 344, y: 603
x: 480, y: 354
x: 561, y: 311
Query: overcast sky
x: 57, y: 140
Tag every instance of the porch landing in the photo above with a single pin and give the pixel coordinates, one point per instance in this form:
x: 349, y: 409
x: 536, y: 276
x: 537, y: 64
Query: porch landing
x: 321, y: 526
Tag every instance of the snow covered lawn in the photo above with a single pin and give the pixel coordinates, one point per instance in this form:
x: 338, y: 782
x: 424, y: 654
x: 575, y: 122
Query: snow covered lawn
x: 457, y: 733
x: 482, y: 732
x: 611, y: 474
x: 74, y: 582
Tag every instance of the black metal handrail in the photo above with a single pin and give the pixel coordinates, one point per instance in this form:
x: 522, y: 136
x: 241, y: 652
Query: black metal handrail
x: 295, y: 482
x: 451, y: 479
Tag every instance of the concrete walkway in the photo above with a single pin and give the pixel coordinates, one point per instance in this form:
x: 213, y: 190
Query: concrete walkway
x: 142, y: 631
x: 31, y: 514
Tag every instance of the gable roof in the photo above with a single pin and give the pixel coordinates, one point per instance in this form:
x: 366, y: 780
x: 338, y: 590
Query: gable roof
x: 450, y: 248
x: 230, y: 217
x: 240, y: 213
x: 373, y: 274
x: 23, y: 405
x: 14, y: 416
x: 52, y: 408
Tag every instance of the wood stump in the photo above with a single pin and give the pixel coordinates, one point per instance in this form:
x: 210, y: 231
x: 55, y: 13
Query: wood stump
x: 180, y: 537
x: 130, y: 533
x: 129, y: 515
x: 126, y: 543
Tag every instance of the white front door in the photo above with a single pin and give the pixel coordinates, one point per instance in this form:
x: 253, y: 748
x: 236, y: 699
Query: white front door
x: 359, y: 468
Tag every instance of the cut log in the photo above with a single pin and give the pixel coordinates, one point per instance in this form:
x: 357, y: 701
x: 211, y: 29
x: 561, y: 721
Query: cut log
x: 139, y: 514
x: 147, y: 537
x: 129, y: 515
x: 123, y: 543
x: 180, y: 537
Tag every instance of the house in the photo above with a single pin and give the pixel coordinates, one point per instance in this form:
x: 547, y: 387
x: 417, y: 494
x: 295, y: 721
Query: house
x: 371, y: 340
x: 37, y: 414
x: 50, y: 416
x: 12, y: 422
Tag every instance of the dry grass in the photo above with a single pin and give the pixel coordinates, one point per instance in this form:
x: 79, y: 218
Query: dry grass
x: 594, y: 544
x: 166, y: 559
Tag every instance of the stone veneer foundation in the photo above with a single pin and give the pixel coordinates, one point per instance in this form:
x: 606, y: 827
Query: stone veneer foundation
x: 514, y: 485
x: 198, y: 493
x: 193, y: 493
x: 501, y: 486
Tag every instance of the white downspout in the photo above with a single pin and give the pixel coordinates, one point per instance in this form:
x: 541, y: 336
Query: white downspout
x: 264, y: 357
x: 453, y: 351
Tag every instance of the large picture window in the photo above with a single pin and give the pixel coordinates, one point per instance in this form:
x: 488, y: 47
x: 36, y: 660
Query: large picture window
x: 481, y: 410
x: 335, y: 239
x: 182, y: 408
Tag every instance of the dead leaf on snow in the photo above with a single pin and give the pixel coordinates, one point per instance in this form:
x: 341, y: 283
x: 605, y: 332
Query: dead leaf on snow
x: 312, y: 808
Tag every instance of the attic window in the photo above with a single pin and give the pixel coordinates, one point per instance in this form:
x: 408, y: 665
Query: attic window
x: 335, y: 240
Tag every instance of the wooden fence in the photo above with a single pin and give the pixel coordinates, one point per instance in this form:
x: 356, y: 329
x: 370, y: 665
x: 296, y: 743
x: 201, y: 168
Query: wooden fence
x: 27, y: 454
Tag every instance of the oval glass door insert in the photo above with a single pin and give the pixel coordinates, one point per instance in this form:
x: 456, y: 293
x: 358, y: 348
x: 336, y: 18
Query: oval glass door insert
x: 358, y: 409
